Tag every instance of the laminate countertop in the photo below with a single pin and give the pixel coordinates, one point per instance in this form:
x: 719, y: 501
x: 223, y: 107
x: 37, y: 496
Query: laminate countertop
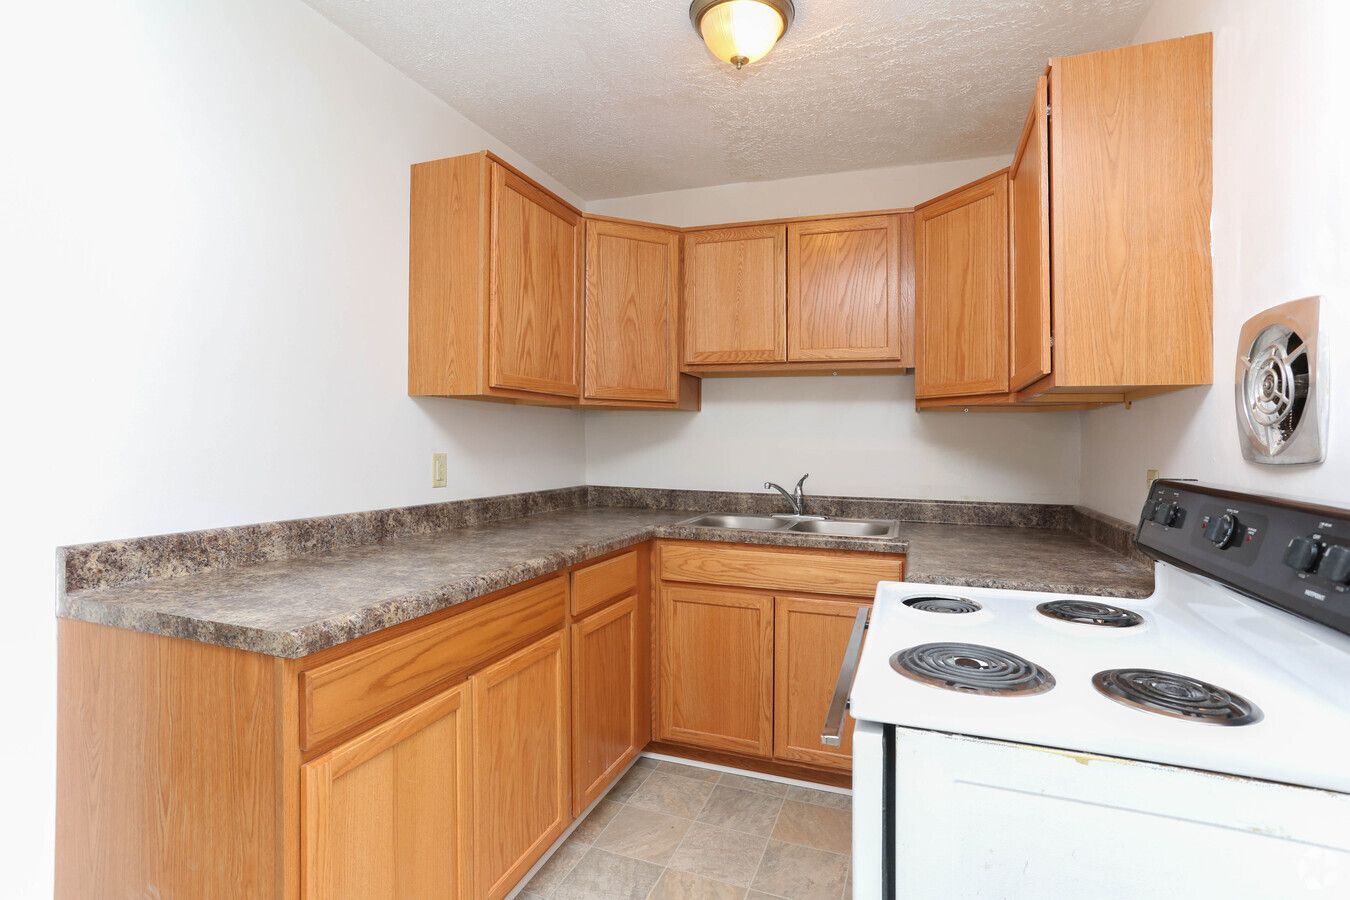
x: 297, y: 606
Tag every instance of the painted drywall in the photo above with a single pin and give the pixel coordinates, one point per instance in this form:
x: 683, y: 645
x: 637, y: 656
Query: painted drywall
x: 204, y: 219
x: 1281, y: 226
x: 856, y: 435
x: 809, y: 195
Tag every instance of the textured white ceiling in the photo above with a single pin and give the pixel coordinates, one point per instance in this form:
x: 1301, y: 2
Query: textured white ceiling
x: 619, y: 97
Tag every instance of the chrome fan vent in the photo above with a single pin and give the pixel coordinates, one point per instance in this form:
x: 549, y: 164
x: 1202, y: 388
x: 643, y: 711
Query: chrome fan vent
x: 1280, y: 386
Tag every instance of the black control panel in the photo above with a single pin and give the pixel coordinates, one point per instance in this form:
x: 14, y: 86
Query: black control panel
x: 1288, y: 553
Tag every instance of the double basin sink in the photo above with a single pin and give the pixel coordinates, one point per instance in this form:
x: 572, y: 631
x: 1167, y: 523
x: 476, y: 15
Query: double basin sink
x: 881, y: 529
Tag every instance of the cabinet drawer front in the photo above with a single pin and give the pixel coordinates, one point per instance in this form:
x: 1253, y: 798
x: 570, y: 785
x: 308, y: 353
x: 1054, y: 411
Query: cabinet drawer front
x: 350, y: 690
x: 812, y: 571
x: 598, y: 584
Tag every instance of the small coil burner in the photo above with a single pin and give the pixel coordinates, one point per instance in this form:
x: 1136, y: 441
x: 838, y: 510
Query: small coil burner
x: 1180, y: 696
x: 1089, y: 613
x: 943, y: 604
x: 972, y: 669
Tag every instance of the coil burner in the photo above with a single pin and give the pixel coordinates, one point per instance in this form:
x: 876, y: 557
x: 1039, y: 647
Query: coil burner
x: 1086, y: 612
x: 972, y: 669
x: 943, y: 604
x: 1180, y: 696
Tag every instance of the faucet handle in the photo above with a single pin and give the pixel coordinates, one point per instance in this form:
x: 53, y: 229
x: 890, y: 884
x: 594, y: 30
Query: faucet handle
x: 802, y: 479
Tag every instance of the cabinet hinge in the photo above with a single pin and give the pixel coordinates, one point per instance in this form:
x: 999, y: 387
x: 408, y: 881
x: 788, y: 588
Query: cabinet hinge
x: 1052, y: 339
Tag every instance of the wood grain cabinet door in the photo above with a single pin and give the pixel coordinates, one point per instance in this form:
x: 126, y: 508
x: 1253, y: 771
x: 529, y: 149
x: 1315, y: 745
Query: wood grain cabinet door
x: 387, y: 814
x: 716, y: 669
x: 631, y: 314
x: 606, y: 701
x: 810, y: 638
x: 844, y: 289
x: 1029, y: 189
x: 961, y: 291
x: 535, y: 289
x: 520, y: 758
x: 735, y: 296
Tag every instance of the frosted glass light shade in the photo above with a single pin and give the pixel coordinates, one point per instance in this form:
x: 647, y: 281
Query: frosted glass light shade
x: 741, y: 31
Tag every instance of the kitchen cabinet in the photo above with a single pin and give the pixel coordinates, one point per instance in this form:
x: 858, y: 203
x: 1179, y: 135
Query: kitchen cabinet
x: 632, y: 353
x: 388, y: 813
x: 1111, y: 282
x: 716, y: 676
x: 607, y: 698
x: 961, y: 282
x: 494, y: 285
x: 735, y: 293
x: 847, y: 299
x: 520, y: 758
x: 810, y: 638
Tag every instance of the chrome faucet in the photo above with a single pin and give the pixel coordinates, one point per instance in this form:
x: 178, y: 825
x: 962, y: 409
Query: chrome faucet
x: 795, y: 498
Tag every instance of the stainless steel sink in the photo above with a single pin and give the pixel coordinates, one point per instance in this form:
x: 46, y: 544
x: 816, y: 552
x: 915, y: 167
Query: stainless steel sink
x: 880, y: 529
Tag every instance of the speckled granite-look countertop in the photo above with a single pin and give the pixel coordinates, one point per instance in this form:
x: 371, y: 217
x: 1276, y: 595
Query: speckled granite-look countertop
x: 321, y: 592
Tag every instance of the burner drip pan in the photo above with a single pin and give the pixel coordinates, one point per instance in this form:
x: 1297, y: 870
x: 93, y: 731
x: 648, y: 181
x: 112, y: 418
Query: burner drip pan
x: 972, y: 669
x: 1179, y: 696
x: 950, y: 605
x: 1086, y: 612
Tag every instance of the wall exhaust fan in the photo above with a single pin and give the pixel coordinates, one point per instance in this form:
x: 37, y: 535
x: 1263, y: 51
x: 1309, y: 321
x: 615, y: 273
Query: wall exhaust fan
x: 1281, y: 385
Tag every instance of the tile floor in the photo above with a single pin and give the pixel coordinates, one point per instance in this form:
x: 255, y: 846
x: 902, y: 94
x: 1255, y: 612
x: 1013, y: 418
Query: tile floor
x: 667, y: 831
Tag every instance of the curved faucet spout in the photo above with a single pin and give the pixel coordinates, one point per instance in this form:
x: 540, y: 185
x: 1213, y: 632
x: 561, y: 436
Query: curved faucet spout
x: 795, y: 497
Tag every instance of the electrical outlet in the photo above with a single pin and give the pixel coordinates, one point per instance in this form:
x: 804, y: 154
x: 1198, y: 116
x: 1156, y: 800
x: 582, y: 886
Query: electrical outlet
x: 1150, y: 476
x: 438, y: 470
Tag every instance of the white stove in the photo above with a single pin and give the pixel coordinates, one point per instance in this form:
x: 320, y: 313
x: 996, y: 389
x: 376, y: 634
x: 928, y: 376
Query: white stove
x: 1194, y: 743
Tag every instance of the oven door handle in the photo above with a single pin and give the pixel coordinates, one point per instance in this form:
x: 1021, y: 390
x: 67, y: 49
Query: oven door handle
x: 832, y: 734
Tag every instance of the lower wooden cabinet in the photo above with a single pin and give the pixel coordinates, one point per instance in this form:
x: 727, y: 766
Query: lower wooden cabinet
x: 810, y: 638
x: 716, y: 669
x: 387, y: 814
x: 520, y: 758
x: 607, y: 698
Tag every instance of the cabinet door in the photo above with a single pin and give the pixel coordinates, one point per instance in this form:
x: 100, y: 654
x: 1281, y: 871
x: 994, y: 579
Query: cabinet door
x: 387, y: 815
x: 844, y: 289
x: 810, y: 637
x: 961, y: 291
x: 1029, y: 187
x: 606, y: 698
x: 520, y: 738
x: 631, y: 274
x: 535, y: 294
x: 716, y: 675
x: 735, y: 295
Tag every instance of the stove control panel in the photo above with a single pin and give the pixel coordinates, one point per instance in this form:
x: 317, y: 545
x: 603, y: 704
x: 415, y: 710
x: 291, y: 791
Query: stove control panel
x: 1288, y: 553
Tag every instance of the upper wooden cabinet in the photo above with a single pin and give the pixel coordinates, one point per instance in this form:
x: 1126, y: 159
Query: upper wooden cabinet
x: 735, y: 295
x: 961, y: 281
x: 846, y: 297
x: 494, y: 285
x: 632, y: 318
x: 1111, y: 282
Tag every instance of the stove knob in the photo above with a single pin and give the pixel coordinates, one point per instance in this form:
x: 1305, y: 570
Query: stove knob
x: 1301, y: 554
x: 1335, y: 564
x: 1165, y: 512
x: 1222, y: 529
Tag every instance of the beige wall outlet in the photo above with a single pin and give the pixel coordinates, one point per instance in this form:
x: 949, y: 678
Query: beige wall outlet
x: 438, y: 470
x: 1150, y: 476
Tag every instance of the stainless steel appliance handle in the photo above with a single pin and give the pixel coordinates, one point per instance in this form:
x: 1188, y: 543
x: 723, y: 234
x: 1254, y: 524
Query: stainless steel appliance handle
x: 833, y: 731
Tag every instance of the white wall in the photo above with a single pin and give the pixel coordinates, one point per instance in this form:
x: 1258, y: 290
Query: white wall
x: 1281, y: 230
x: 203, y: 226
x: 856, y: 435
x: 810, y: 195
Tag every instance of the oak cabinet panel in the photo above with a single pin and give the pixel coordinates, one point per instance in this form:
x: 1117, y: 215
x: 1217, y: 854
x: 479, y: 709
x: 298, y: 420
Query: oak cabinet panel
x: 387, y: 815
x: 844, y: 288
x: 632, y: 277
x: 735, y: 295
x: 810, y: 638
x: 961, y: 287
x: 1029, y: 180
x: 716, y: 669
x: 607, y: 702
x: 520, y: 758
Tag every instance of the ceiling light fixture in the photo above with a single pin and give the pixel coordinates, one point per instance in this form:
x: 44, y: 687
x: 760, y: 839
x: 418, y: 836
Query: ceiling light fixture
x: 741, y: 31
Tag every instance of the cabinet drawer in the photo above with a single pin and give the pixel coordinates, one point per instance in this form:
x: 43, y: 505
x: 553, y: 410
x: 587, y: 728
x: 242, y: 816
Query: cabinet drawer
x: 350, y: 690
x: 812, y: 571
x: 597, y: 584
